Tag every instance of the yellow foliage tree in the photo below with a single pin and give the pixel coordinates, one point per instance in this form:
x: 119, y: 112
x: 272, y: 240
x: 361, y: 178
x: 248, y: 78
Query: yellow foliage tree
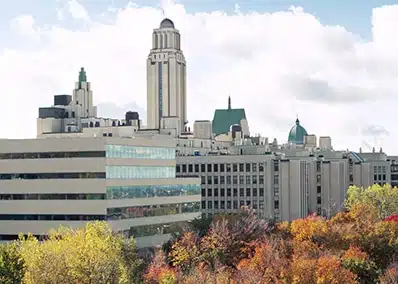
x: 93, y: 254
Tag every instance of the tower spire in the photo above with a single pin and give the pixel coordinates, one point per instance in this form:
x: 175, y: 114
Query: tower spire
x: 229, y: 102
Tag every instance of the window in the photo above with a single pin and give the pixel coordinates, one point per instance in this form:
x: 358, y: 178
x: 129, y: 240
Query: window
x: 235, y: 192
x: 254, y: 179
x: 261, y: 179
x: 184, y: 168
x: 319, y: 200
x: 216, y: 192
x: 318, y: 189
x: 228, y: 166
x: 216, y: 204
x: 222, y: 179
x: 196, y: 168
x: 229, y: 205
x: 234, y: 168
x: 209, y: 168
x: 203, y: 168
x: 276, y: 180
x: 209, y: 205
x: 203, y: 180
x: 248, y: 180
x: 222, y: 192
x: 215, y: 179
x: 241, y: 167
x: 137, y: 152
x: 247, y: 167
x: 215, y: 166
x: 228, y: 192
x: 241, y: 192
x: 130, y: 212
x: 209, y: 179
x: 145, y: 191
x: 318, y: 166
x: 209, y: 192
x: 235, y: 204
x: 222, y: 204
x: 241, y: 179
x: 248, y: 190
x: 254, y: 191
x: 203, y: 204
x: 190, y: 168
x: 222, y: 168
x: 261, y: 192
x: 254, y: 167
x: 276, y: 166
x: 276, y: 204
x: 178, y: 168
x: 261, y: 167
x: 228, y: 179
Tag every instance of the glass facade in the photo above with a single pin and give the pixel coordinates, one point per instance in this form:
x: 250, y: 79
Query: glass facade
x: 152, y: 210
x: 157, y: 229
x: 139, y: 172
x: 143, y: 191
x: 137, y: 152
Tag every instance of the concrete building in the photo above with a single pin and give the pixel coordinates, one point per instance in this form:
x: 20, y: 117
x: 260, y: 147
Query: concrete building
x: 130, y: 182
x: 166, y: 79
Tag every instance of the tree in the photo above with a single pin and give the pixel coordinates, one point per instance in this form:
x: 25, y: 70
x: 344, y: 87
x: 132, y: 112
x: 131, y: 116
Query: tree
x: 11, y: 264
x: 359, y: 263
x: 384, y: 198
x: 93, y: 254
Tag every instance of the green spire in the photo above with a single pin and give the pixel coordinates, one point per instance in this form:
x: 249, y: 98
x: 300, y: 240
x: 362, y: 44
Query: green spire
x: 82, y: 75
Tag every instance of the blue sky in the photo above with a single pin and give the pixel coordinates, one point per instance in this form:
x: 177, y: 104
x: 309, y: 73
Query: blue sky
x: 325, y: 63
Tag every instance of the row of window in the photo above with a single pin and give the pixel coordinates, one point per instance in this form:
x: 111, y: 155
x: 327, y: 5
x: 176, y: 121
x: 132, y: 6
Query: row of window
x: 50, y: 217
x: 157, y: 229
x: 52, y: 176
x: 139, y: 172
x: 232, y: 192
x: 254, y: 179
x: 52, y: 155
x: 232, y: 205
x: 138, y: 152
x: 143, y: 191
x: 152, y: 210
x: 53, y: 196
x: 243, y: 167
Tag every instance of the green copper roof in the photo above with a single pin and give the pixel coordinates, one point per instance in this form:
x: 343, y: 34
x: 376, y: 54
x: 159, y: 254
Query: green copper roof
x: 224, y: 118
x: 297, y: 133
x: 82, y: 75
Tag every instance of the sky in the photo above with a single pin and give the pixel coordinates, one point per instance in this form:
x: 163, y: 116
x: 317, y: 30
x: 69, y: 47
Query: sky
x: 334, y: 64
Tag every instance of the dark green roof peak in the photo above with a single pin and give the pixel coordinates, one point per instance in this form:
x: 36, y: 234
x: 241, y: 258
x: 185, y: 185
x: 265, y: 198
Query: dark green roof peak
x: 82, y: 75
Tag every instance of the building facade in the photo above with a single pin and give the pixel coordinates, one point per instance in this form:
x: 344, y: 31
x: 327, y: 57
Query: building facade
x: 166, y: 79
x: 45, y: 183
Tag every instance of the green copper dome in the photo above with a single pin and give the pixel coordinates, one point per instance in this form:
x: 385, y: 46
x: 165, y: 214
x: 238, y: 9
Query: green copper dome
x: 297, y: 133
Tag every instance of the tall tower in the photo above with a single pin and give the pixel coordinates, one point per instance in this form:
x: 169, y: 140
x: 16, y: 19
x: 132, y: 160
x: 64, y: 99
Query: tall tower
x: 166, y: 77
x: 83, y: 97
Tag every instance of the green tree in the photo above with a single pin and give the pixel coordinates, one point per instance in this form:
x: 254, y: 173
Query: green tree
x: 383, y: 198
x: 11, y: 264
x: 93, y: 254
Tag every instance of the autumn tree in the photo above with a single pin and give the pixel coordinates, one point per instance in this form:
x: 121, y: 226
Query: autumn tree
x: 93, y: 254
x: 384, y: 198
x: 11, y: 264
x: 230, y: 240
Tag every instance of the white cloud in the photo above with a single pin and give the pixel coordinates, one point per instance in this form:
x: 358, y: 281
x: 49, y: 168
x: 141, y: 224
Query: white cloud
x: 275, y: 65
x: 77, y: 10
x: 24, y: 25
